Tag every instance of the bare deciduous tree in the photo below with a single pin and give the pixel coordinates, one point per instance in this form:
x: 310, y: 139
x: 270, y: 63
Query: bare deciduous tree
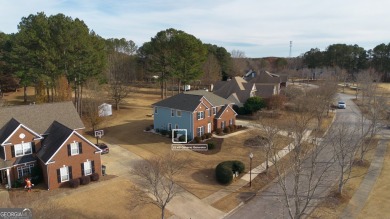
x: 158, y: 179
x: 93, y: 99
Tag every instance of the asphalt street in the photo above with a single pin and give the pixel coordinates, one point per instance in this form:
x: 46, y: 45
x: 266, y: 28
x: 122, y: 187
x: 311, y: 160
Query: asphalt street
x: 271, y: 203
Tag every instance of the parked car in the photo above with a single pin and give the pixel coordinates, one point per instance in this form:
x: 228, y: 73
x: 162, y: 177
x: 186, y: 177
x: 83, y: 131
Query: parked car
x: 342, y: 105
x: 104, y: 148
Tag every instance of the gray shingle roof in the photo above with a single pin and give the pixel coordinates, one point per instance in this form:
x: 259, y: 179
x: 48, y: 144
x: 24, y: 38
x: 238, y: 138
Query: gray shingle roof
x: 7, y: 129
x: 39, y: 116
x: 57, y: 133
x: 265, y: 90
x: 237, y: 87
x: 188, y: 101
x: 265, y: 77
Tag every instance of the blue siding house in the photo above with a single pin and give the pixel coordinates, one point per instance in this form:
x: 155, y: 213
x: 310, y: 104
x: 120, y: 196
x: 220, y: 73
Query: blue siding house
x: 196, y: 111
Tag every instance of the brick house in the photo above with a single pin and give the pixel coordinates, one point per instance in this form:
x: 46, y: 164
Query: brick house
x: 42, y: 138
x: 198, y: 112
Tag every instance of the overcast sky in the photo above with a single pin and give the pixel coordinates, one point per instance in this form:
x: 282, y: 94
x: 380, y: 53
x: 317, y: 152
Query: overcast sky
x: 257, y: 27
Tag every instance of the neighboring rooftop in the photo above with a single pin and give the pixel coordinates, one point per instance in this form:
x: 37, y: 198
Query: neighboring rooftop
x: 40, y: 116
x: 188, y: 101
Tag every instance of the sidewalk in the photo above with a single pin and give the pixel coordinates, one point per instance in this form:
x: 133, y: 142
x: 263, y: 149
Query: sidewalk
x: 360, y: 197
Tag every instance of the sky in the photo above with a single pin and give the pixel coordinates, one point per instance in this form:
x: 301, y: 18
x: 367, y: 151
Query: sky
x: 258, y: 28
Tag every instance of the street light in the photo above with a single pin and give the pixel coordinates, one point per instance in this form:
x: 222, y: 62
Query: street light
x: 250, y: 169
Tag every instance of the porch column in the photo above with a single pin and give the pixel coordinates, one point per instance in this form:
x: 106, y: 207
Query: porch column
x: 9, y: 179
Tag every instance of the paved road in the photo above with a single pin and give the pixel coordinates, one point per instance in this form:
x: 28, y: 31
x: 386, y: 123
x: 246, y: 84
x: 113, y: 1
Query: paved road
x: 271, y: 202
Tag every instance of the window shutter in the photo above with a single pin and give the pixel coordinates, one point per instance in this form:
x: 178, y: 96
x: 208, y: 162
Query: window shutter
x: 33, y: 147
x: 69, y: 150
x: 82, y: 169
x: 80, y: 148
x: 58, y: 175
x: 93, y: 166
x: 13, y: 150
x: 70, y: 172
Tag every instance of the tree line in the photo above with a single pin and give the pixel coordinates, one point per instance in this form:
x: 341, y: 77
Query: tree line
x: 351, y: 58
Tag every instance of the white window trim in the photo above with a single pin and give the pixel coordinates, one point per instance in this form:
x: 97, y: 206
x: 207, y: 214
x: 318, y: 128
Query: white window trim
x: 21, y: 168
x: 72, y: 145
x: 214, y: 111
x: 64, y: 171
x: 24, y: 146
x: 230, y: 121
x: 172, y: 112
x: 177, y: 113
x: 87, y: 169
x: 200, y: 115
x: 200, y: 131
x: 209, y: 112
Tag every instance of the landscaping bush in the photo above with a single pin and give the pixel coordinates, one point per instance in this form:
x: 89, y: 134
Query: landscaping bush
x: 164, y: 132
x: 18, y: 183
x: 232, y: 128
x: 94, y: 177
x: 74, y: 183
x: 254, y: 104
x: 208, y: 135
x: 218, y: 131
x: 239, y: 127
x: 84, y: 180
x: 224, y: 171
x: 147, y: 128
x: 36, y: 175
x: 197, y: 139
x: 226, y: 130
x: 203, y: 137
x: 182, y: 138
x: 211, y: 145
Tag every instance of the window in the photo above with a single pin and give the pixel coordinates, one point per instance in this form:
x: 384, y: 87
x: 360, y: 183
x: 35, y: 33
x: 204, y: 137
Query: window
x: 87, y: 168
x: 24, y: 170
x: 178, y: 113
x: 176, y: 126
x: 230, y: 121
x: 169, y: 126
x: 172, y: 112
x: 223, y: 124
x: 74, y: 148
x: 200, y: 131
x: 214, y: 110
x: 209, y: 114
x: 155, y: 110
x: 22, y: 149
x: 200, y: 115
x: 64, y: 173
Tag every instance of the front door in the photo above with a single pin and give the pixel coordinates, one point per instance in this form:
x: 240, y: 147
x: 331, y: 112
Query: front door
x: 3, y: 177
x: 209, y: 128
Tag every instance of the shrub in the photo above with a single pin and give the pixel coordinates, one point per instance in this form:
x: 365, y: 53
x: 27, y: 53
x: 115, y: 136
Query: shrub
x: 218, y: 131
x: 239, y: 126
x: 164, y: 132
x: 147, y: 128
x: 84, y: 180
x: 74, y: 183
x: 226, y: 130
x: 232, y: 128
x: 203, y: 137
x: 18, y: 183
x: 208, y: 135
x: 254, y: 104
x: 211, y: 145
x: 94, y: 177
x: 224, y: 171
x: 36, y: 175
x: 197, y: 139
x: 182, y: 138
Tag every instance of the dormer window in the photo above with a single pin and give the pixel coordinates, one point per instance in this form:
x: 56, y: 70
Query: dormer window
x: 22, y: 149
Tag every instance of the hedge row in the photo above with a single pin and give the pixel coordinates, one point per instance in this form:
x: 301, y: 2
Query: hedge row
x: 84, y: 180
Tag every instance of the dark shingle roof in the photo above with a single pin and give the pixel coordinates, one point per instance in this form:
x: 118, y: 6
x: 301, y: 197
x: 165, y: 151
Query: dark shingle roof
x: 7, y: 129
x: 188, y: 101
x: 24, y: 159
x: 265, y: 90
x: 57, y: 133
x: 265, y: 77
x: 39, y: 116
x: 236, y: 86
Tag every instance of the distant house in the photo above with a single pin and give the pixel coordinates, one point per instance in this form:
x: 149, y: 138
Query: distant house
x: 198, y: 112
x: 236, y: 90
x: 46, y: 136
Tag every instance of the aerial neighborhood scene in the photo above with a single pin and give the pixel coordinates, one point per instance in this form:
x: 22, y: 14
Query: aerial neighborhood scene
x: 202, y: 110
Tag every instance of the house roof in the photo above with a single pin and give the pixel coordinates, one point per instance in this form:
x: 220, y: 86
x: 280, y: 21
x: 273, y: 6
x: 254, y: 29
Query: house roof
x: 237, y: 87
x: 265, y: 77
x: 39, y: 116
x: 190, y: 100
x: 7, y: 129
x: 219, y: 114
x: 55, y: 137
x: 265, y: 90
